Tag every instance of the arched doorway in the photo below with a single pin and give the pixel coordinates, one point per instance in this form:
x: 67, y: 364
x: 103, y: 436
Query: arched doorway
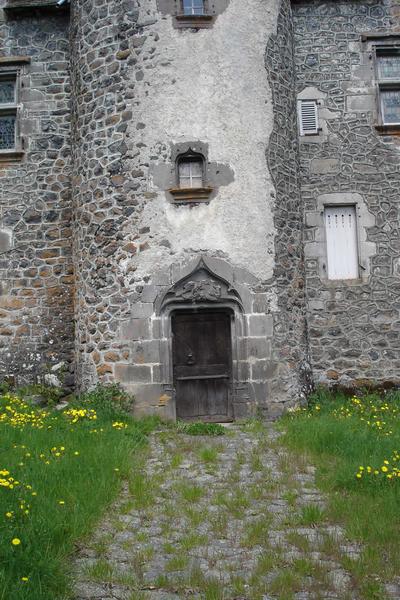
x: 202, y: 320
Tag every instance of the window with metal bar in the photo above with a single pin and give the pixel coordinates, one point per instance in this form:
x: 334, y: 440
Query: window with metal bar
x: 388, y: 72
x: 190, y: 171
x: 8, y: 112
x: 193, y: 7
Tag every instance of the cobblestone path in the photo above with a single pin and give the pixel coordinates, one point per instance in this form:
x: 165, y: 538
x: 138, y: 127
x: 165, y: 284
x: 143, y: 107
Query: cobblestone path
x: 223, y: 517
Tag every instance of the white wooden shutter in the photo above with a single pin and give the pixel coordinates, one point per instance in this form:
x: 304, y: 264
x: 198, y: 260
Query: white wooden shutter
x: 341, y: 242
x: 308, y: 117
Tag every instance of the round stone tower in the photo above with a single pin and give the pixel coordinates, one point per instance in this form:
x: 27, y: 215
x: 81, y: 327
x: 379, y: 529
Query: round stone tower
x: 189, y: 269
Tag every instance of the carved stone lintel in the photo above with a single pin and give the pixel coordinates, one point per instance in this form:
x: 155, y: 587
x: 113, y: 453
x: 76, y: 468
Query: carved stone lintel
x: 205, y: 289
x: 201, y: 286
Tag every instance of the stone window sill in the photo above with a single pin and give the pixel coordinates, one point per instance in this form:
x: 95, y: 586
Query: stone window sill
x: 388, y: 129
x: 343, y: 282
x: 191, y: 194
x: 11, y: 155
x: 194, y: 21
x: 22, y: 5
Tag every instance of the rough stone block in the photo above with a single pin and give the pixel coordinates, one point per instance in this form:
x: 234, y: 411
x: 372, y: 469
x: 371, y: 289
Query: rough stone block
x: 141, y: 310
x: 324, y: 166
x: 260, y: 303
x: 259, y: 370
x: 243, y: 370
x: 146, y: 351
x: 136, y: 329
x: 259, y: 347
x: 360, y: 103
x: 260, y: 325
x: 5, y: 240
x: 149, y: 293
x: 156, y: 328
x: 259, y: 391
x: 243, y: 410
x: 132, y: 373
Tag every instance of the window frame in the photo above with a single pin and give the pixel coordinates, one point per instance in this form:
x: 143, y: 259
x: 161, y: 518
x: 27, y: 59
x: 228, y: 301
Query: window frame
x: 336, y: 207
x: 190, y: 158
x: 383, y: 84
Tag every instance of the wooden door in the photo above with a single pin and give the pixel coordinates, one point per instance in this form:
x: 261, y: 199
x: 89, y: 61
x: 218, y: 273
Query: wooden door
x: 202, y: 357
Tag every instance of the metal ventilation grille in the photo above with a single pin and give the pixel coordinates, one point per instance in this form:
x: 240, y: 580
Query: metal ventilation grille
x: 308, y: 117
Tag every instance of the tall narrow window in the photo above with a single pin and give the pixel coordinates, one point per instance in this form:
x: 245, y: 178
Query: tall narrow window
x: 308, y: 117
x: 193, y: 7
x: 341, y: 242
x: 388, y: 68
x: 8, y: 112
x: 190, y: 171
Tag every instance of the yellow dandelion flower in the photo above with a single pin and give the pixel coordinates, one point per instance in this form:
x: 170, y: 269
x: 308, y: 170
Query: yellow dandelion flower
x: 384, y: 469
x: 15, y: 541
x: 9, y: 514
x: 61, y: 502
x: 24, y: 579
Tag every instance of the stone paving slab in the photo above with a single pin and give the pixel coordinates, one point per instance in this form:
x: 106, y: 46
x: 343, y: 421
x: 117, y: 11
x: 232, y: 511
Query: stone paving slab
x: 228, y: 517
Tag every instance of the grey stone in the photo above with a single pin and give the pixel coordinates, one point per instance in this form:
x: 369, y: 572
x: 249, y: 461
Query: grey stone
x: 132, y: 373
x: 260, y: 325
x: 136, y: 329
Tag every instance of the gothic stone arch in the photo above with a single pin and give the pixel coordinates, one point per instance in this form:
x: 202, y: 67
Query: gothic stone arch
x: 200, y: 292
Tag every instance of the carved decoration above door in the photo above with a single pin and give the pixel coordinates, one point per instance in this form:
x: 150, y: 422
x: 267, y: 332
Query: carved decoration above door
x: 201, y: 286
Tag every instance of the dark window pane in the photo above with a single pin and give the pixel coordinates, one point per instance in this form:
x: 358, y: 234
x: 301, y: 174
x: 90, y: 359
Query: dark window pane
x: 193, y: 7
x: 389, y: 67
x: 7, y: 92
x: 391, y: 106
x: 184, y: 169
x: 7, y: 132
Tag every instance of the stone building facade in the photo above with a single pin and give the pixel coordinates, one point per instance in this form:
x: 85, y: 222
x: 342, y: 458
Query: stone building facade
x: 163, y: 221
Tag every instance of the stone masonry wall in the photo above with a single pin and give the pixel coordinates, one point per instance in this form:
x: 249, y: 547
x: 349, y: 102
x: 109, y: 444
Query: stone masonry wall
x: 36, y: 311
x: 141, y: 89
x: 290, y: 334
x: 354, y: 327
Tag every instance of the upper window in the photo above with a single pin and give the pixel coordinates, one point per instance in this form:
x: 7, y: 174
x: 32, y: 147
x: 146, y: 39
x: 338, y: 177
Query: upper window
x: 388, y: 72
x: 193, y: 7
x: 190, y: 170
x: 8, y: 112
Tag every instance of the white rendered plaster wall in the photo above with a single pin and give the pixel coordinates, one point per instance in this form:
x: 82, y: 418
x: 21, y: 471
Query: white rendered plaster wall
x: 211, y: 85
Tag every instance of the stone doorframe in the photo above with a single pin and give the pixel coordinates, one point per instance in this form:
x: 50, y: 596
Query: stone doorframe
x: 202, y: 289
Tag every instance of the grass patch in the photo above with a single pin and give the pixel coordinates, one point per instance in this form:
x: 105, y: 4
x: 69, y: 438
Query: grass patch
x: 213, y: 429
x: 257, y: 532
x: 355, y: 444
x: 69, y: 466
x: 190, y: 493
x: 311, y: 514
x: 209, y: 455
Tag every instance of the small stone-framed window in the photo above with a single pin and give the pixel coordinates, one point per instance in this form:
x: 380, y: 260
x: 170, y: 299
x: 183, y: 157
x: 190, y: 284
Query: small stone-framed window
x: 9, y: 131
x: 190, y: 174
x: 388, y: 78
